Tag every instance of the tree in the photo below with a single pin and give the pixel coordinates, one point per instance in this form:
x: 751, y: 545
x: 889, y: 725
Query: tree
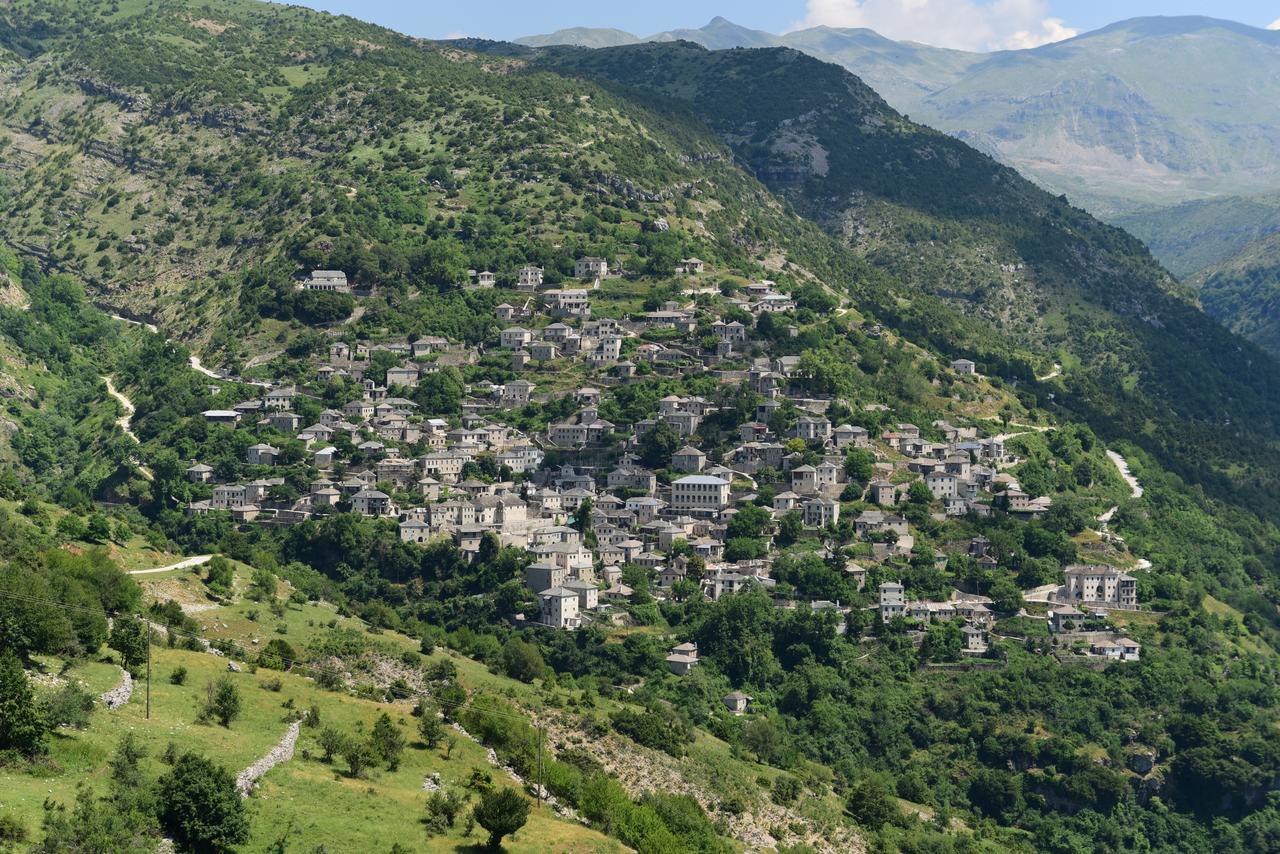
x: 388, y: 741
x: 360, y: 754
x: 99, y: 529
x: 920, y: 494
x: 72, y: 527
x: 790, y: 527
x: 751, y: 521
x: 858, y: 466
x: 331, y: 742
x: 657, y: 446
x: 451, y: 698
x: 522, y: 660
x: 223, y: 704
x: 872, y: 803
x: 501, y: 811
x: 128, y: 637
x: 430, y: 727
x: 766, y: 739
x: 219, y: 575
x: 22, y: 728
x: 200, y: 807
x: 1005, y: 595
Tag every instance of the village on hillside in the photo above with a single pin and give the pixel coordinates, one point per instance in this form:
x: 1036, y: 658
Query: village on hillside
x: 684, y: 499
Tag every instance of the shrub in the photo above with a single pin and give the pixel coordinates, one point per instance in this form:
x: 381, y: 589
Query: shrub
x: 223, y: 703
x: 178, y: 676
x: 200, y: 807
x: 330, y: 742
x: 388, y: 741
x: 430, y: 727
x: 785, y: 790
x: 522, y: 660
x: 22, y: 727
x: 359, y: 754
x: 69, y: 706
x: 501, y: 812
x: 446, y: 805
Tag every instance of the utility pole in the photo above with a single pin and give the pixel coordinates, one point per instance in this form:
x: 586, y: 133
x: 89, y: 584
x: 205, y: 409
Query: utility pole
x: 146, y: 627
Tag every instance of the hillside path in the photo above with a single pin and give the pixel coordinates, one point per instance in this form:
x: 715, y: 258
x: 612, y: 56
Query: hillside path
x: 125, y: 421
x: 1122, y: 465
x: 201, y: 369
x: 182, y: 564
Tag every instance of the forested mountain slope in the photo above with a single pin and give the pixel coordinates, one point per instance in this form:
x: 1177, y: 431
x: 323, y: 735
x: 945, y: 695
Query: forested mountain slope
x: 1243, y: 291
x: 189, y: 163
x: 338, y: 144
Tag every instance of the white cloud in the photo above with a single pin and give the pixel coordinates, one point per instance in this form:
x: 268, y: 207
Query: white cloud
x: 963, y: 24
x: 1274, y: 25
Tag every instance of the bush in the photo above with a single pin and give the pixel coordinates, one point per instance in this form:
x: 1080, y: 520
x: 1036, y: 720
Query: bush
x: 69, y: 706
x: 359, y: 754
x: 446, y: 806
x: 331, y: 742
x: 387, y: 741
x: 658, y: 727
x: 501, y: 812
x: 430, y: 727
x: 178, y: 676
x: 785, y: 790
x: 200, y: 807
x: 522, y: 660
x: 223, y: 703
x: 12, y: 831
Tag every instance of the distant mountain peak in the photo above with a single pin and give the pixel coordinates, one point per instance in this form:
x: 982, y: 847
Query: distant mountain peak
x: 1173, y: 25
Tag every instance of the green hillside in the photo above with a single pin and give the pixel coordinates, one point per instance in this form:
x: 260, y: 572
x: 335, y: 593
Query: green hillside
x: 1195, y: 236
x: 187, y: 163
x: 1243, y: 291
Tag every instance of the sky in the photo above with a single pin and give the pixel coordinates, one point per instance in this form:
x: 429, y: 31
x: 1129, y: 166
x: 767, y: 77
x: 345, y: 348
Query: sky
x: 964, y: 24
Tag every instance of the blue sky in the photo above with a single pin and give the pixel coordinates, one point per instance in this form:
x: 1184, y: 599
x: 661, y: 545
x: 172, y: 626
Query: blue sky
x: 970, y: 24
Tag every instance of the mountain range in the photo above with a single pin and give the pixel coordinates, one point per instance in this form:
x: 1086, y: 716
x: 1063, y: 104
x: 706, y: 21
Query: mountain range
x: 1169, y: 127
x: 187, y: 165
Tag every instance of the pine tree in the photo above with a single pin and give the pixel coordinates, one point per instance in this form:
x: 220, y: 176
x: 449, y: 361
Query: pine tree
x: 22, y: 728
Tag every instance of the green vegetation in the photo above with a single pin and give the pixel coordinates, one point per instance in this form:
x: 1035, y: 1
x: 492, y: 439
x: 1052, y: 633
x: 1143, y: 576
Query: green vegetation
x: 267, y: 140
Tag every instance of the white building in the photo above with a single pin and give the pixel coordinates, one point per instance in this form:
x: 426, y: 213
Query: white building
x: 334, y: 281
x: 560, y: 608
x: 700, y: 492
x: 590, y: 267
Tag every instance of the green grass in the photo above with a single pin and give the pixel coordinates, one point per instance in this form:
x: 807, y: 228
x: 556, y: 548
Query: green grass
x: 315, y: 803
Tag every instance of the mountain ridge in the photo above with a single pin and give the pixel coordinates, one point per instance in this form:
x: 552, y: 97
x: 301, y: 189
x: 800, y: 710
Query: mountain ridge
x: 1062, y: 139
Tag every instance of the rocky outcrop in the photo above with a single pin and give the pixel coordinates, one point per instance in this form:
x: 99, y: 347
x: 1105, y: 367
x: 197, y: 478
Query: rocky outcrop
x: 119, y: 695
x: 282, y: 752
